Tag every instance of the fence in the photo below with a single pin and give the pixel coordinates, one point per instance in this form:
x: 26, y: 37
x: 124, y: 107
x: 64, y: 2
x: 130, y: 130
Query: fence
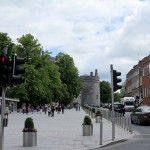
x: 121, y: 120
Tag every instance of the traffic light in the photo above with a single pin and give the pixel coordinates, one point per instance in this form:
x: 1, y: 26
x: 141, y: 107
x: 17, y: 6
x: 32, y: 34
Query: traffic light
x: 3, y: 70
x: 116, y: 80
x: 17, y: 70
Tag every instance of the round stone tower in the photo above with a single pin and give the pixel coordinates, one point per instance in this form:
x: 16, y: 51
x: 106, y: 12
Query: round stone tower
x: 91, y: 91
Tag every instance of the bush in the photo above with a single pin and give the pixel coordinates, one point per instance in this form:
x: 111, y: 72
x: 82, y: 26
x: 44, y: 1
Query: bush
x: 29, y: 125
x: 98, y: 113
x: 87, y: 120
x: 93, y: 110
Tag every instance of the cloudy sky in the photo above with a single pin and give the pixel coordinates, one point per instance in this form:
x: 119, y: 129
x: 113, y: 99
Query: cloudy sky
x: 96, y: 33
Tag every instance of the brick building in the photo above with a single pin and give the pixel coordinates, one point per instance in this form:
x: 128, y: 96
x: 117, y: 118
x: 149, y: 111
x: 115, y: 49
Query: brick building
x: 138, y: 81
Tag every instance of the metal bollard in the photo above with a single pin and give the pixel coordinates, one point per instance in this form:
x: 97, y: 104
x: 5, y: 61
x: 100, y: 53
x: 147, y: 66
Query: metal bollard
x: 101, y: 129
x: 130, y: 128
x: 125, y: 122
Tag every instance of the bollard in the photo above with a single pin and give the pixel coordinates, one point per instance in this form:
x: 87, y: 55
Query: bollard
x: 122, y: 120
x: 125, y: 122
x: 130, y: 126
x: 101, y: 129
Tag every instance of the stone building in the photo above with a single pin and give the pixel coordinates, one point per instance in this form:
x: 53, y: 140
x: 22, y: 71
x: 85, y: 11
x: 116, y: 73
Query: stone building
x: 90, y: 93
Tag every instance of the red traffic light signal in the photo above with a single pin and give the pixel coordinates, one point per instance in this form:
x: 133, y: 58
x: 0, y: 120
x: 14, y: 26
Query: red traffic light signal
x: 3, y: 59
x: 3, y: 70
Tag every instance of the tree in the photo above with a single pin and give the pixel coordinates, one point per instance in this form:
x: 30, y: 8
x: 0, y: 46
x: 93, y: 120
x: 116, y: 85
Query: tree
x: 35, y: 89
x: 105, y: 92
x: 123, y: 90
x: 116, y: 97
x: 72, y: 83
x: 6, y: 41
x: 45, y: 81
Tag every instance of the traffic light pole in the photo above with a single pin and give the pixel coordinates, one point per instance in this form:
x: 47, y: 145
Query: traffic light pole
x: 2, y: 119
x: 112, y: 104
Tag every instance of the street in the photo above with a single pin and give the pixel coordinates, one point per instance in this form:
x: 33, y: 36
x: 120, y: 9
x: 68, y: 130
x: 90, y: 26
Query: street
x: 138, y: 142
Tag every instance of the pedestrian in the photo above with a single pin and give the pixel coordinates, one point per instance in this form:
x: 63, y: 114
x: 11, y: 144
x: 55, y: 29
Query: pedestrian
x: 79, y: 107
x: 40, y: 109
x: 58, y: 109
x: 32, y: 109
x: 52, y: 110
x: 23, y: 109
x: 27, y: 109
x: 45, y: 109
x: 49, y: 111
x: 62, y: 108
x: 37, y: 108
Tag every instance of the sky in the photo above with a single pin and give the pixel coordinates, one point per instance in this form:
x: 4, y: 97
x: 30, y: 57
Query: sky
x: 95, y: 33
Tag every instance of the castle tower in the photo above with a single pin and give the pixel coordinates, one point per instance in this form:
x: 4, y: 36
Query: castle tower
x: 91, y: 91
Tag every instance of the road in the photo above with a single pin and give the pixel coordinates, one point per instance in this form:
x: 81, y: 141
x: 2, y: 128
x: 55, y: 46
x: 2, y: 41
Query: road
x: 138, y: 142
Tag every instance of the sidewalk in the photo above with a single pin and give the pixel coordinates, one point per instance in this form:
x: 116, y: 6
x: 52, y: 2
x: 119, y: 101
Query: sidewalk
x: 61, y: 132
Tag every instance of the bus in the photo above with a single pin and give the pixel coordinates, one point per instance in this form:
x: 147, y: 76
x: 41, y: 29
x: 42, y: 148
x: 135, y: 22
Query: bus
x: 128, y: 103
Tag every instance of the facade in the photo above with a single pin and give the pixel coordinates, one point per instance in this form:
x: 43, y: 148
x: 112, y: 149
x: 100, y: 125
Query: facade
x: 11, y: 102
x: 133, y: 83
x: 138, y: 81
x: 145, y: 66
x: 91, y: 90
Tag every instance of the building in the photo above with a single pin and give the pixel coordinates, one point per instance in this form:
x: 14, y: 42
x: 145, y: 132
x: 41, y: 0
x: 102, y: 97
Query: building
x: 91, y: 91
x: 138, y: 81
x: 11, y: 102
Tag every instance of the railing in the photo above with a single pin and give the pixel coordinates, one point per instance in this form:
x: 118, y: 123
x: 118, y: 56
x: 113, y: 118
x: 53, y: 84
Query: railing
x: 121, y: 120
x: 124, y: 121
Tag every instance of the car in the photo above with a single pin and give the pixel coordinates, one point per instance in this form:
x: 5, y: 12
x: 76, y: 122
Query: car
x: 140, y: 115
x: 118, y: 108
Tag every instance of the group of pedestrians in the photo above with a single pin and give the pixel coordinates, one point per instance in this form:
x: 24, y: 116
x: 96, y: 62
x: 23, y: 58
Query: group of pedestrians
x: 47, y: 109
x: 50, y: 109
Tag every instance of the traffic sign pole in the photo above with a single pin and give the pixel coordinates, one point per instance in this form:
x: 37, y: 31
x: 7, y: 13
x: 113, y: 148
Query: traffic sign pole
x: 112, y: 104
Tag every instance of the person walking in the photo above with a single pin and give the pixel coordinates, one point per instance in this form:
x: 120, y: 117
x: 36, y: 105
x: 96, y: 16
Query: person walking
x: 79, y: 106
x: 62, y: 108
x: 27, y: 109
x: 52, y: 110
x: 45, y: 109
x: 49, y: 111
x: 58, y: 109
x: 40, y: 109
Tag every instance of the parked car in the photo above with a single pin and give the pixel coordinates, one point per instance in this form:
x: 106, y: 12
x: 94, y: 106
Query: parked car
x: 140, y: 115
x: 118, y: 108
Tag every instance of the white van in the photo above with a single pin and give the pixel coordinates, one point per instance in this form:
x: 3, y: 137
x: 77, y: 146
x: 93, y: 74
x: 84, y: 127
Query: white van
x: 128, y: 103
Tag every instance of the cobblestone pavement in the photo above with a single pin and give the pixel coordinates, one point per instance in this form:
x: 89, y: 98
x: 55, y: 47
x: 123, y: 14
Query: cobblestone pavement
x: 61, y: 132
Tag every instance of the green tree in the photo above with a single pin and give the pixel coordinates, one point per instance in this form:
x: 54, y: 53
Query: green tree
x: 6, y: 41
x: 72, y: 83
x: 116, y: 97
x: 35, y: 88
x: 123, y: 90
x: 105, y: 92
x: 45, y: 81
